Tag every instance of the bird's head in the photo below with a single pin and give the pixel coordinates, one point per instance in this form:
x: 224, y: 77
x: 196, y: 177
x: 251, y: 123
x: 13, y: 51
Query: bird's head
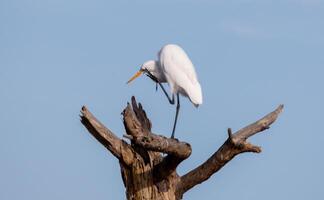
x: 149, y: 66
x: 146, y: 67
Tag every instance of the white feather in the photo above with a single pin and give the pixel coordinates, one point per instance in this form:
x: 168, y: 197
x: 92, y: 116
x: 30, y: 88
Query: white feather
x: 180, y: 73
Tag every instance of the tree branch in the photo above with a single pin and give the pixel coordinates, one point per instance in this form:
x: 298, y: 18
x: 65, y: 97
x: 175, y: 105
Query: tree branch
x: 159, y: 143
x: 138, y: 128
x: 143, y: 165
x: 258, y: 126
x: 116, y: 146
x: 234, y: 145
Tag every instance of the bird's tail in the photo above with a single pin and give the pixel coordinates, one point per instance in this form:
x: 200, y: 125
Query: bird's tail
x: 195, y: 94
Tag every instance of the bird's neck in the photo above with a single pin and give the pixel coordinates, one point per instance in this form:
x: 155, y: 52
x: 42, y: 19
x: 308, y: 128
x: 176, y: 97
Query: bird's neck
x: 155, y: 68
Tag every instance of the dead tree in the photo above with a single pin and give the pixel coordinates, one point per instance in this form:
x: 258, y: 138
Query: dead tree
x: 148, y: 163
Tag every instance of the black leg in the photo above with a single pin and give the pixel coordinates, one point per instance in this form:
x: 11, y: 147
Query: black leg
x: 176, y: 115
x: 166, y: 94
x: 149, y: 74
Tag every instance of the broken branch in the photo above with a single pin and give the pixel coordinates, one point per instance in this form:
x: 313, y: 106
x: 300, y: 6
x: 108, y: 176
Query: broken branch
x: 234, y: 145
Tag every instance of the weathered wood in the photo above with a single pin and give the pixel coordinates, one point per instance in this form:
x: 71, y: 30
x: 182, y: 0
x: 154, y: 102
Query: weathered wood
x: 154, y: 172
x: 234, y: 145
x: 148, y: 164
x: 117, y: 147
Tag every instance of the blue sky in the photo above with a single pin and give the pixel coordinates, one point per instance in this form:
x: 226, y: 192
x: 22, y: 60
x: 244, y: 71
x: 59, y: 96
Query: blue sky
x: 250, y: 56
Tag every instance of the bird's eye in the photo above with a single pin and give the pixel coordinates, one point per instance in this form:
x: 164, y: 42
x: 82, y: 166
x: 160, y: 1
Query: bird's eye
x: 145, y: 70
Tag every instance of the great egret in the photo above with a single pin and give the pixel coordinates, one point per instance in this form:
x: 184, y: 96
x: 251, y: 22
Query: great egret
x: 174, y: 67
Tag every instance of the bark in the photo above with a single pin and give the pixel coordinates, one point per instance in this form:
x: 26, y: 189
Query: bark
x: 149, y: 161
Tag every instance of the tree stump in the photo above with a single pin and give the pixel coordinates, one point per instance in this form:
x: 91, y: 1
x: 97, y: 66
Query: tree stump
x: 149, y: 161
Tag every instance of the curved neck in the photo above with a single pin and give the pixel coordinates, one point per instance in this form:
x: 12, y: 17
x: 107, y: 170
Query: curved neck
x: 155, y: 69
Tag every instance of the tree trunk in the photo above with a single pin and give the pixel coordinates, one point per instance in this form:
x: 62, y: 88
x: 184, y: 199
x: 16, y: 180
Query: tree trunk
x: 148, y: 163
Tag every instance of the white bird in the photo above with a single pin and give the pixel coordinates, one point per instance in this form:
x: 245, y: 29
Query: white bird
x: 174, y: 67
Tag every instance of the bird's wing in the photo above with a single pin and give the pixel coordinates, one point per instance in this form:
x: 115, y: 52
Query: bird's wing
x: 175, y: 62
x: 180, y: 72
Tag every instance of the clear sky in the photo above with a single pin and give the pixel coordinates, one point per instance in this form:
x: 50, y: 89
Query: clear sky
x: 250, y: 56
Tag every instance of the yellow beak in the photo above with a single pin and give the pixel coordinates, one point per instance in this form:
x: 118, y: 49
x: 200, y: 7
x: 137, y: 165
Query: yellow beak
x: 135, y: 76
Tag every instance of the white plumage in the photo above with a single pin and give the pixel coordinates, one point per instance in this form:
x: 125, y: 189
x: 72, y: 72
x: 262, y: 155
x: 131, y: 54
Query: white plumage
x: 180, y: 73
x: 174, y: 67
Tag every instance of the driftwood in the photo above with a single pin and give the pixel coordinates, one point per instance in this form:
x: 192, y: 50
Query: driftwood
x: 148, y: 163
